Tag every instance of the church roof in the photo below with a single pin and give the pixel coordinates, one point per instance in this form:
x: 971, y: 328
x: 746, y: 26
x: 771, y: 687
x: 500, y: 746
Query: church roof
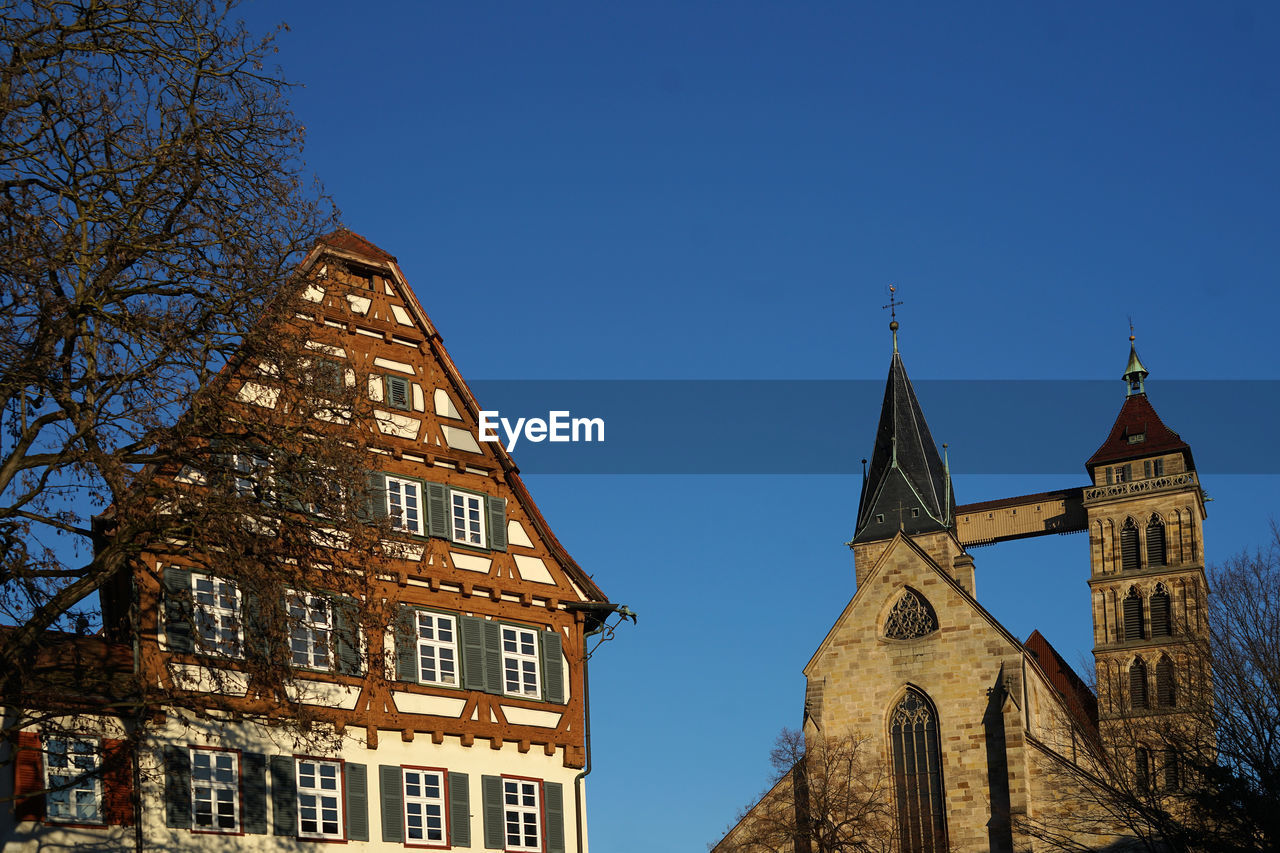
x: 1138, y: 418
x: 1077, y: 696
x: 907, y: 487
x: 349, y: 241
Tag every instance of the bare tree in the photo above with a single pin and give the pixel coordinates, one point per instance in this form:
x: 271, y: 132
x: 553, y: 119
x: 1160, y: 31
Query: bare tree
x: 831, y: 794
x: 1198, y: 768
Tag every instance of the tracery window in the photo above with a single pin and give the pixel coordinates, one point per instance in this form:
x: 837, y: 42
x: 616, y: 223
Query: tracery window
x: 1166, y: 685
x: 1133, y: 627
x: 1129, y: 546
x: 1138, y: 684
x: 917, y: 774
x: 1160, y: 624
x: 910, y: 617
x: 1155, y: 542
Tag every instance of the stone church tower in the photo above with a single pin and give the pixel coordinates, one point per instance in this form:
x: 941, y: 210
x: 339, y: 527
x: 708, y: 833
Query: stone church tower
x: 969, y: 722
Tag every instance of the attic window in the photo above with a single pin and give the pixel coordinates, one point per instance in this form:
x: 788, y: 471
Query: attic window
x: 915, y: 512
x: 880, y: 518
x: 1137, y: 438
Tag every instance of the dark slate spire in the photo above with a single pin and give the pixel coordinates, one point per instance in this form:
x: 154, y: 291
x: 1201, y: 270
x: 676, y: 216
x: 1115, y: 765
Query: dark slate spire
x: 907, y: 487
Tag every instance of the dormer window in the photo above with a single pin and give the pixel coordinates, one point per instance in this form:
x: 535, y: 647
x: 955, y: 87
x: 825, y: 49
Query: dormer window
x: 1137, y: 438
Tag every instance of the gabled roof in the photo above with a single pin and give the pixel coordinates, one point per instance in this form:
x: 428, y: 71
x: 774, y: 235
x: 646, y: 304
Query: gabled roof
x: 1138, y: 417
x: 349, y: 241
x: 1075, y: 694
x: 906, y: 472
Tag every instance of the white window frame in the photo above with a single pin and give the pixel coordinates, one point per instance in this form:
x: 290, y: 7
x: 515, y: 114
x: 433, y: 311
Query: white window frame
x: 78, y: 784
x: 404, y: 504
x: 467, y: 511
x: 217, y: 613
x: 523, y: 664
x: 433, y: 650
x: 304, y: 627
x: 424, y: 807
x: 518, y: 811
x: 215, y: 791
x: 252, y: 471
x: 324, y: 794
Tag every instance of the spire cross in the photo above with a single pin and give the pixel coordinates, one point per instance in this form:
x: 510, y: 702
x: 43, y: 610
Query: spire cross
x: 894, y: 302
x: 902, y: 523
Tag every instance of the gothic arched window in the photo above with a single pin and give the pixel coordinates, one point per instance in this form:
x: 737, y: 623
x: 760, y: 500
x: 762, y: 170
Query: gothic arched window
x: 1129, y: 546
x: 1133, y: 627
x: 1155, y: 542
x: 917, y: 775
x: 1166, y: 685
x: 1160, y: 625
x: 1138, y: 684
x: 910, y: 617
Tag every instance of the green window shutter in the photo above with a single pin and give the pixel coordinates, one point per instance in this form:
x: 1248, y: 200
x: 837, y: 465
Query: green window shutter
x: 398, y: 392
x: 472, y: 631
x: 346, y: 618
x: 497, y: 523
x: 459, y: 810
x: 438, y: 523
x: 406, y: 637
x: 177, y: 613
x: 391, y: 793
x: 552, y: 669
x: 553, y: 794
x: 177, y: 787
x: 376, y: 508
x: 492, y: 633
x: 253, y: 766
x: 284, y: 795
x: 357, y: 779
x: 494, y: 831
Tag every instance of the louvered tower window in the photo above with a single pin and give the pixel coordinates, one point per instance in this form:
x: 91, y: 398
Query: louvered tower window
x: 917, y: 774
x: 1138, y: 684
x: 1133, y: 628
x: 1160, y: 623
x: 1142, y: 768
x: 1129, y: 546
x: 1166, y: 685
x: 1155, y: 542
x: 1172, y: 776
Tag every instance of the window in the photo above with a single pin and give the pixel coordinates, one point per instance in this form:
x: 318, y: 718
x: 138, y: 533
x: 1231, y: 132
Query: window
x: 1166, y: 685
x: 910, y: 617
x: 1153, y: 467
x: 251, y: 475
x: 216, y: 615
x: 1155, y: 542
x: 1121, y: 473
x: 215, y: 790
x: 1172, y: 776
x: 437, y: 648
x: 917, y: 774
x: 327, y: 376
x: 1138, y: 685
x: 398, y: 392
x: 1161, y: 626
x: 404, y: 504
x: 1129, y: 546
x: 520, y: 661
x: 424, y: 805
x: 319, y: 798
x: 1142, y: 768
x: 73, y: 780
x: 468, y: 518
x: 1133, y: 627
x: 520, y: 814
x: 310, y: 629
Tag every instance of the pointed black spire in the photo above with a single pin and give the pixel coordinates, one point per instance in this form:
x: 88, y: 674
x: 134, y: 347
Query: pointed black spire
x: 907, y: 487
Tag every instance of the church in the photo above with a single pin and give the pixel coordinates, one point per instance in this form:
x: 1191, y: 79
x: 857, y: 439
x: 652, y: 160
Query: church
x: 966, y: 722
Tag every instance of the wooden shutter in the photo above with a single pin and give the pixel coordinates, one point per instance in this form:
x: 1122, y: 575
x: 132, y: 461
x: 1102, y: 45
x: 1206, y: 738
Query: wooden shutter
x: 1138, y: 684
x: 497, y: 523
x: 1155, y: 543
x: 117, y: 782
x: 1129, y: 547
x: 284, y: 795
x: 406, y: 639
x: 491, y: 795
x: 1160, y: 626
x: 553, y: 795
x: 398, y: 392
x: 177, y: 787
x: 28, y: 778
x: 346, y: 640
x: 1133, y: 628
x: 438, y: 522
x: 391, y: 794
x: 1165, y: 690
x: 356, y: 777
x: 177, y: 610
x: 472, y: 631
x: 459, y: 810
x: 552, y: 669
x: 253, y: 782
x: 492, y: 633
x: 376, y: 507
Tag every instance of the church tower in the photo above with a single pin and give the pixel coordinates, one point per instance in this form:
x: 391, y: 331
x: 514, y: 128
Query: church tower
x: 1145, y: 514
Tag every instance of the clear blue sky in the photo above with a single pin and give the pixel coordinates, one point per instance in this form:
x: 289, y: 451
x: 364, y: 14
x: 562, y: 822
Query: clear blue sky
x: 708, y: 191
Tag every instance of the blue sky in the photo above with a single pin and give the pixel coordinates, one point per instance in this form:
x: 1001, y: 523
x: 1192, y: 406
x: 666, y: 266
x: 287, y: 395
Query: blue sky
x: 724, y: 191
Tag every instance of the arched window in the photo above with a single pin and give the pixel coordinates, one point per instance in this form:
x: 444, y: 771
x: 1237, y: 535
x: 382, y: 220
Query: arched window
x: 1133, y: 627
x: 1138, y: 684
x: 1142, y: 768
x: 1172, y: 778
x: 910, y: 617
x: 1160, y: 624
x: 1155, y: 542
x: 1129, y: 546
x: 1166, y: 684
x: 917, y: 775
